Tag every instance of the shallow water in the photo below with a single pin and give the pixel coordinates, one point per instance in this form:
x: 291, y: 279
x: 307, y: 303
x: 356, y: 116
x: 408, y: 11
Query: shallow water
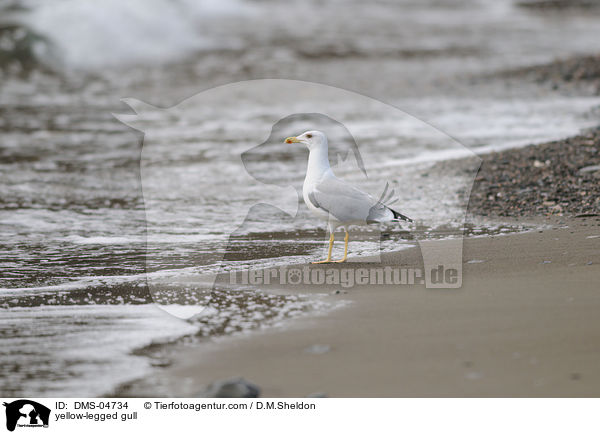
x: 78, y: 236
x: 72, y: 350
x: 85, y: 350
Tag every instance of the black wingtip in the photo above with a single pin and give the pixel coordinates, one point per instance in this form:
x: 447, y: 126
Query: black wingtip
x: 397, y: 215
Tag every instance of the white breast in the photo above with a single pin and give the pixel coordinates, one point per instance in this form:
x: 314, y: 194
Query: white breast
x: 307, y: 188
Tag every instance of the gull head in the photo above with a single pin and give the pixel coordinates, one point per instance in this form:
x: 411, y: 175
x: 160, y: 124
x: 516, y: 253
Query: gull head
x: 312, y: 139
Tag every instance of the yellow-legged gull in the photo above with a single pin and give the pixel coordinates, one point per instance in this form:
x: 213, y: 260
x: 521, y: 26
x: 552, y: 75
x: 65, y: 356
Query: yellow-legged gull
x: 334, y: 200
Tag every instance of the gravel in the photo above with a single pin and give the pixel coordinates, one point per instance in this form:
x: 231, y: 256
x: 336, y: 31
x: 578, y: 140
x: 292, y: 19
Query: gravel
x: 555, y: 178
x: 580, y: 74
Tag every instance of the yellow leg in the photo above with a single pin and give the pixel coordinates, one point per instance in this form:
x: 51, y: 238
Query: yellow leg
x: 346, y: 238
x: 326, y: 261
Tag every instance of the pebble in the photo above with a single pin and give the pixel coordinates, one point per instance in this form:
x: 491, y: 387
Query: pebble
x: 318, y: 349
x: 232, y: 388
x: 589, y: 169
x: 317, y: 395
x: 473, y: 375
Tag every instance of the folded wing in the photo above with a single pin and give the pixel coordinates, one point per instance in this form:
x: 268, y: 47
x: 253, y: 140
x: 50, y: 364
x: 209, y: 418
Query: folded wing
x: 349, y: 204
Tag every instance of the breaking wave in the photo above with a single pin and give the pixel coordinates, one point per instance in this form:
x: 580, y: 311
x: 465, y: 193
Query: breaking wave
x: 88, y: 35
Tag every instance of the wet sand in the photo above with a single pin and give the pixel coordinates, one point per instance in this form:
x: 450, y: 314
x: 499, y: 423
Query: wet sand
x: 524, y: 323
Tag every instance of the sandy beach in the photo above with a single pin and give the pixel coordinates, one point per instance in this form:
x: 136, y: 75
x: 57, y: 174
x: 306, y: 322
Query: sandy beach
x: 525, y: 323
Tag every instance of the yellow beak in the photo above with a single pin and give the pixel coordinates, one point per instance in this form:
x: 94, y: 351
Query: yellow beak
x: 292, y: 140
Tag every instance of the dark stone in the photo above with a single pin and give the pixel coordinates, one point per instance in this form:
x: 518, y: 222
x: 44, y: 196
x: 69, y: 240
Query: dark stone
x: 231, y: 388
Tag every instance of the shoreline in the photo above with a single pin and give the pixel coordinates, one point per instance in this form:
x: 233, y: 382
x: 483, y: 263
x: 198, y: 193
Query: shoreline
x: 515, y: 328
x: 515, y: 270
x: 139, y: 176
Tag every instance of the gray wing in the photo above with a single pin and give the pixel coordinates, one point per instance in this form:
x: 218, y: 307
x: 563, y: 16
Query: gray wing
x: 347, y: 203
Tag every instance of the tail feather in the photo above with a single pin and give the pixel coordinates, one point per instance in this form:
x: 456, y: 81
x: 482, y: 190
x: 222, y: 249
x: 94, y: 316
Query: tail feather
x: 399, y: 216
x: 386, y: 201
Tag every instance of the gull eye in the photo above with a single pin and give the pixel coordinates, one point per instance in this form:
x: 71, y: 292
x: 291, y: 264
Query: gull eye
x: 309, y: 136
